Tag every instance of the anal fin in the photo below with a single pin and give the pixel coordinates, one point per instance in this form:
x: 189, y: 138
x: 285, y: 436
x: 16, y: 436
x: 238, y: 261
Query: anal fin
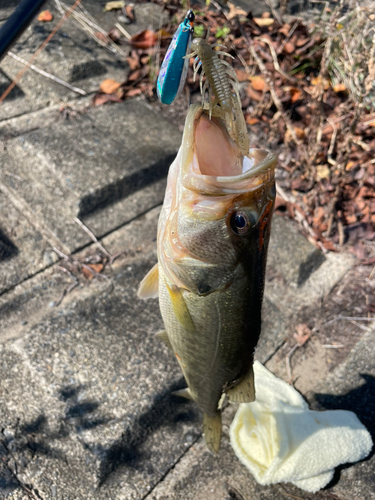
x: 244, y: 391
x: 149, y: 287
x: 212, y: 431
x: 183, y: 393
x: 163, y: 336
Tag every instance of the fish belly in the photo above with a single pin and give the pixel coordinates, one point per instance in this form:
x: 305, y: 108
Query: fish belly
x: 216, y: 347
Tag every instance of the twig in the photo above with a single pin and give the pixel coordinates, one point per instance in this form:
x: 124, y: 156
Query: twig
x: 35, y: 55
x: 93, y: 237
x: 332, y: 346
x: 348, y: 318
x: 275, y: 60
x: 293, y: 29
x: 288, y: 365
x: 67, y: 290
x: 123, y: 31
x: 47, y: 75
x: 275, y: 97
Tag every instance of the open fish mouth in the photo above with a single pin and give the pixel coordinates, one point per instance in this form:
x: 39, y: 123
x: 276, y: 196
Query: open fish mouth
x: 212, y: 163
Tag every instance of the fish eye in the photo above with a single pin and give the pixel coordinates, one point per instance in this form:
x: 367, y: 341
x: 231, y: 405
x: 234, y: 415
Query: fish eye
x: 242, y: 222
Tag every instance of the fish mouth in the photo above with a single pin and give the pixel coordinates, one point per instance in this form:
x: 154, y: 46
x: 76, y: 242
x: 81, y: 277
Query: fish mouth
x: 212, y: 162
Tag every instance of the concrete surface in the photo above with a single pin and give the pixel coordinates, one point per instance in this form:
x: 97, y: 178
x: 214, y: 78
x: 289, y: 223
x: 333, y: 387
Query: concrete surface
x: 86, y: 409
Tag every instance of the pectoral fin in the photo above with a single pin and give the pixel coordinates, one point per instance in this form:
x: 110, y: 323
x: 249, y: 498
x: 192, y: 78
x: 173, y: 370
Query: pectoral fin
x: 149, y: 287
x: 244, y: 391
x: 163, y: 336
x: 212, y: 431
x: 183, y: 393
x: 180, y: 308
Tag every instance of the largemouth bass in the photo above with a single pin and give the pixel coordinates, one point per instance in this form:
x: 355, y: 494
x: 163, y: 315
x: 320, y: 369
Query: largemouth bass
x: 213, y: 235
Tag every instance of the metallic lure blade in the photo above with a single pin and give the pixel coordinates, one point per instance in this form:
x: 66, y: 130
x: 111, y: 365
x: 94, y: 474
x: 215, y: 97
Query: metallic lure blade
x: 173, y: 71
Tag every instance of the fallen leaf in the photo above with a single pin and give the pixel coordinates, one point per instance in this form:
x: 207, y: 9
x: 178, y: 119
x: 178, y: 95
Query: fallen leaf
x: 100, y: 99
x: 251, y: 120
x: 300, y: 133
x: 303, y: 333
x: 242, y: 75
x: 97, y: 268
x: 101, y: 37
x: 115, y: 35
x: 317, y: 80
x: 322, y: 172
x: 129, y: 9
x: 133, y: 61
x: 261, y: 22
x: 133, y: 92
x: 235, y: 11
x: 285, y: 29
x: 109, y: 86
x: 114, y: 5
x: 253, y: 94
x: 45, y: 16
x: 289, y: 48
x: 340, y: 87
x: 302, y: 41
x: 144, y: 40
x: 258, y: 83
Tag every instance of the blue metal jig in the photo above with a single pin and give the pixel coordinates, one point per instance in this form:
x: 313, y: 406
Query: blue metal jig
x: 173, y: 71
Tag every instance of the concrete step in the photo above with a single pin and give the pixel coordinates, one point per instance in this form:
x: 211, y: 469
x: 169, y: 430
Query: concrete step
x: 105, y: 167
x: 85, y: 385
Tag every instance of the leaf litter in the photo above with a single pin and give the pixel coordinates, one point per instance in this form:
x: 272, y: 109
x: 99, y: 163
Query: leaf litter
x: 308, y: 93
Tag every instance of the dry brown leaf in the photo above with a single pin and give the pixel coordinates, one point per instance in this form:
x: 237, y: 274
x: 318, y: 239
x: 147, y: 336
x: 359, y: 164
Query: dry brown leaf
x: 251, y: 120
x: 45, y: 16
x: 129, y: 9
x: 258, y: 83
x: 323, y: 172
x: 100, y: 99
x: 285, y: 29
x: 350, y: 165
x: 300, y: 133
x: 109, y: 86
x: 235, y: 11
x: 133, y: 92
x: 340, y: 87
x: 300, y: 42
x: 303, y: 333
x: 144, y: 40
x: 289, y: 48
x: 253, y: 94
x: 261, y: 22
x: 242, y: 75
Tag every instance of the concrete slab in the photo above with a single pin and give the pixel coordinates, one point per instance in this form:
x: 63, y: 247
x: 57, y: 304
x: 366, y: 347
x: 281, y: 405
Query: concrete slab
x: 72, y: 55
x: 106, y: 167
x: 86, y: 387
x: 23, y: 252
x: 352, y: 387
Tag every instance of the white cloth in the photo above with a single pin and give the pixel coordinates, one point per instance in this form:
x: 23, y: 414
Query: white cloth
x: 279, y: 439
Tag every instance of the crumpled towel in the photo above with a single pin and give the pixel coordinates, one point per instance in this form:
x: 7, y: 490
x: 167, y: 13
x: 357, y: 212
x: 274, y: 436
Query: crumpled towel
x: 279, y: 439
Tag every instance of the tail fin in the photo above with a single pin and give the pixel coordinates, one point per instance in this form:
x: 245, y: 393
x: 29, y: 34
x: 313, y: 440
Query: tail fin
x: 212, y: 431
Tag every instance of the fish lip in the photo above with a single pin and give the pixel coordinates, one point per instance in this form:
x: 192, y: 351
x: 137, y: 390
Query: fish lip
x: 221, y: 185
x: 267, y: 163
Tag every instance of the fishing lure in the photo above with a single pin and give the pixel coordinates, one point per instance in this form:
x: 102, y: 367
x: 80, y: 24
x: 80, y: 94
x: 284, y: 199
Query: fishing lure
x: 222, y: 86
x: 173, y: 71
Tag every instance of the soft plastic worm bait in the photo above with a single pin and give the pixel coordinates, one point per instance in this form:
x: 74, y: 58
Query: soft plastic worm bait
x: 222, y: 86
x: 173, y: 71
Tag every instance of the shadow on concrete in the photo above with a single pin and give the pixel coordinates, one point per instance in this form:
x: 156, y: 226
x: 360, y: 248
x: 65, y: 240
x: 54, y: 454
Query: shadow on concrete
x: 116, y: 191
x: 7, y: 248
x: 5, y: 81
x: 361, y: 401
x: 166, y: 410
x: 311, y: 264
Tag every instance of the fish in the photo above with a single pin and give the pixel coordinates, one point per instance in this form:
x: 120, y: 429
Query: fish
x: 213, y: 234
